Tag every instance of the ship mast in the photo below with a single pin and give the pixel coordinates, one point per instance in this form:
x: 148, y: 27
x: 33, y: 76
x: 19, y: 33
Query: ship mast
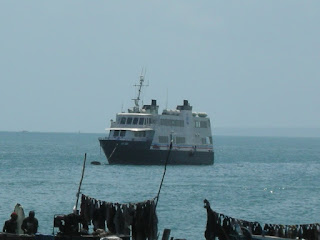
x: 136, y: 100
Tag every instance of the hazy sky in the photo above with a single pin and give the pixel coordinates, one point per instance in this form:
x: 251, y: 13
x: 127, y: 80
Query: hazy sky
x: 68, y: 66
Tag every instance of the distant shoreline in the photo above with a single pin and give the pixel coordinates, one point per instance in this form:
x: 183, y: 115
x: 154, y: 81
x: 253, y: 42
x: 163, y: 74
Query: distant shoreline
x: 222, y: 131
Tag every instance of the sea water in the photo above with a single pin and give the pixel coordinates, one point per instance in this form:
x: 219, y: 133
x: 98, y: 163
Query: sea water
x: 265, y: 179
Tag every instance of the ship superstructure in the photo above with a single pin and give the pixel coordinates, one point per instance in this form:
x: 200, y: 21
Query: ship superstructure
x: 142, y: 136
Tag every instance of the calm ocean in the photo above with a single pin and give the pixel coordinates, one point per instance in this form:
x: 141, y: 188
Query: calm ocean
x: 265, y: 179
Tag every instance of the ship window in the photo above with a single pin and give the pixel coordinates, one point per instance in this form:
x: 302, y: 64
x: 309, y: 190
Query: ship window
x: 116, y: 133
x: 180, y: 140
x: 163, y: 139
x: 206, y: 140
x: 122, y: 133
x: 203, y: 124
x: 141, y: 120
x: 135, y: 121
x: 140, y: 134
x: 129, y: 120
x: 123, y: 120
x: 197, y: 124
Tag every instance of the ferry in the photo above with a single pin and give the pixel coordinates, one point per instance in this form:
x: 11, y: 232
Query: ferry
x: 142, y: 136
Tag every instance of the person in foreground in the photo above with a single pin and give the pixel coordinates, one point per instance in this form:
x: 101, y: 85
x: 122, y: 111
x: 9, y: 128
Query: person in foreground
x: 30, y: 224
x: 10, y: 226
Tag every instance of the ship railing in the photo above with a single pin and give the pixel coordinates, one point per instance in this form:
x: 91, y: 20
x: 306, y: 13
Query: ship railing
x: 103, y: 138
x: 136, y: 139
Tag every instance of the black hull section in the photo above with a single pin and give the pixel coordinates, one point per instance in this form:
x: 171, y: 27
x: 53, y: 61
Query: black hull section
x: 139, y: 153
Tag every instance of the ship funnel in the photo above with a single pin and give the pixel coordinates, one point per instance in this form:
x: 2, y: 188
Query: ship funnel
x: 185, y: 106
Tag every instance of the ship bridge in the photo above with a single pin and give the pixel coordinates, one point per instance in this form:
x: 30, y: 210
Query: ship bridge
x: 130, y: 134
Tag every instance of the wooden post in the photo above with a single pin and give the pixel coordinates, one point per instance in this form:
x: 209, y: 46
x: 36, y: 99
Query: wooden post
x: 166, y: 234
x: 78, y: 193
